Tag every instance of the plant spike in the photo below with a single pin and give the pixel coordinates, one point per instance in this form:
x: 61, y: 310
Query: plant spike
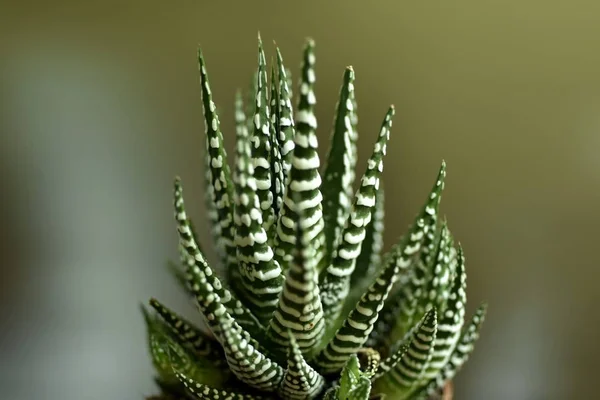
x: 301, y: 381
x: 260, y: 273
x: 369, y: 260
x: 167, y: 352
x: 403, y: 371
x: 450, y: 322
x: 451, y: 264
x: 160, y: 359
x: 241, y: 134
x: 410, y: 246
x: 460, y: 355
x: 241, y: 350
x: 248, y: 364
x: 339, y: 170
x: 302, y: 194
x: 285, y: 128
x: 241, y: 128
x: 188, y: 334
x: 349, y: 377
x: 277, y: 170
x: 352, y: 335
x: 201, y: 278
x: 335, y: 283
x: 438, y: 278
x: 218, y: 174
x: 261, y: 144
x: 299, y: 310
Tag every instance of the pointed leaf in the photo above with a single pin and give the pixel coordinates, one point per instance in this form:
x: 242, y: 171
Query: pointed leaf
x: 405, y: 300
x: 260, y: 273
x: 202, y: 279
x: 349, y: 377
x: 277, y: 170
x: 361, y: 390
x: 160, y: 359
x: 249, y: 364
x: 339, y: 170
x: 167, y: 354
x: 369, y: 261
x: 450, y: 322
x: 354, y: 332
x: 459, y: 357
x: 302, y: 195
x: 403, y: 370
x: 285, y: 127
x: 218, y: 174
x: 300, y: 381
x: 438, y: 280
x: 242, y: 135
x: 299, y: 310
x: 335, y: 283
x: 188, y: 334
x: 261, y: 144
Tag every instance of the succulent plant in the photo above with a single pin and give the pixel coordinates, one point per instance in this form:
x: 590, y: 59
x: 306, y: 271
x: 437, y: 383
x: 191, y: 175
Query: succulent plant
x: 301, y: 304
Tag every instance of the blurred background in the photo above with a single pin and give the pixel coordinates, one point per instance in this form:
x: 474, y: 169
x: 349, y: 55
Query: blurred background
x: 101, y: 108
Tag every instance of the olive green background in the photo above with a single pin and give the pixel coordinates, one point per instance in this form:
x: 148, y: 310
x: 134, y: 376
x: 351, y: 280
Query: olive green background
x: 100, y: 109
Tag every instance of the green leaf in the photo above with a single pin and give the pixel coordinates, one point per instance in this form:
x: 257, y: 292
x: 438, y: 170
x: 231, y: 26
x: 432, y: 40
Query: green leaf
x: 335, y: 282
x: 300, y: 381
x: 201, y: 278
x: 302, y: 195
x: 249, y: 364
x: 160, y: 360
x: 299, y: 310
x: 354, y: 332
x: 361, y: 390
x: 188, y: 334
x: 277, y: 170
x: 401, y: 373
x: 438, y: 283
x: 349, y: 377
x: 241, y: 349
x: 262, y: 145
x: 459, y: 357
x: 285, y: 126
x: 339, y: 170
x: 261, y: 275
x: 220, y: 184
x: 241, y: 134
x: 369, y: 261
x: 390, y: 328
x: 167, y: 354
x: 450, y: 322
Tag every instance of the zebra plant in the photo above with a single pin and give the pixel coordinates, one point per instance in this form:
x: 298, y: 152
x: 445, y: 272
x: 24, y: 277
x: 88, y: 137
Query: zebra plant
x: 301, y: 304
